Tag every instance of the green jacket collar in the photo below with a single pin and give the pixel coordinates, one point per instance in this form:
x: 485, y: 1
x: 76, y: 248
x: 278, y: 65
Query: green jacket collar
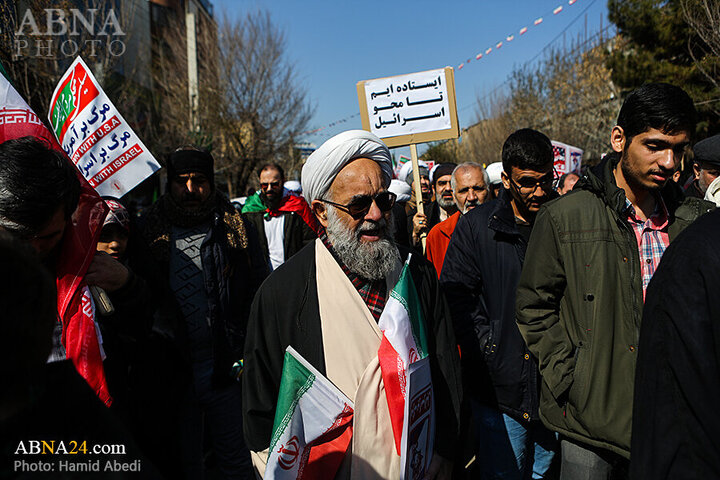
x: 601, y: 181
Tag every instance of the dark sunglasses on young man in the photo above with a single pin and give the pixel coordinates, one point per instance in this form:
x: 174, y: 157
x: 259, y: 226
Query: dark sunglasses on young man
x: 360, y: 205
x: 547, y: 182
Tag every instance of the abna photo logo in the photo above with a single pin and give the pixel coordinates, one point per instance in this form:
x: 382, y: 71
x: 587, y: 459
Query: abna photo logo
x: 54, y: 32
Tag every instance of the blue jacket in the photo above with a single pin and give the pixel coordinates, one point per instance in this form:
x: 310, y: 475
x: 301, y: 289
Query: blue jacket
x: 480, y: 277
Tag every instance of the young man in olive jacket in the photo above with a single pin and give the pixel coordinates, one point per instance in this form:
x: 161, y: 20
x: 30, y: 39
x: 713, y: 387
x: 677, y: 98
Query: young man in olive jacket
x: 590, y: 258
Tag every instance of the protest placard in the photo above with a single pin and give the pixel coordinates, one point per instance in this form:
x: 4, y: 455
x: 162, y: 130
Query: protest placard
x: 410, y: 109
x: 567, y: 159
x: 95, y: 136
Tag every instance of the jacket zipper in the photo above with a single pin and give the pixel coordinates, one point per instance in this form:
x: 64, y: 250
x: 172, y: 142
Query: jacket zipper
x: 634, y: 259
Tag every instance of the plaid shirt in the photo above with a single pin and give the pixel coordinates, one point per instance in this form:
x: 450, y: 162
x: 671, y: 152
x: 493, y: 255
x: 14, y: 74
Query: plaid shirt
x: 652, y: 238
x: 373, y: 292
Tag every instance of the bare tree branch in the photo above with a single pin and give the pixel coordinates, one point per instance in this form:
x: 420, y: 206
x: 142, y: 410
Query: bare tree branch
x: 264, y: 105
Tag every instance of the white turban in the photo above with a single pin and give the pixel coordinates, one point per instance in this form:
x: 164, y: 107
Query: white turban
x: 406, y: 173
x: 713, y: 192
x: 494, y: 172
x: 323, y: 165
x: 401, y: 189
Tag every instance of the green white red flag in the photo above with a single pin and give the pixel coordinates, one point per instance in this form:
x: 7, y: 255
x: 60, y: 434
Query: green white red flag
x: 77, y: 248
x: 404, y: 342
x: 313, y: 424
x: 95, y: 136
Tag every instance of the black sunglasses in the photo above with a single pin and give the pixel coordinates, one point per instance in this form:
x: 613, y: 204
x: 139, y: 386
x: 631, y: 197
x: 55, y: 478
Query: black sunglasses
x: 360, y: 205
x: 547, y: 182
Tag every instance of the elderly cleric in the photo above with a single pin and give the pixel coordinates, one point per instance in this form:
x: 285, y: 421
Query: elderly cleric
x: 325, y: 302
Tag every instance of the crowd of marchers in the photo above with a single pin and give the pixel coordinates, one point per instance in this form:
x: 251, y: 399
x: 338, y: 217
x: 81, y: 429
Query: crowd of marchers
x: 572, y: 320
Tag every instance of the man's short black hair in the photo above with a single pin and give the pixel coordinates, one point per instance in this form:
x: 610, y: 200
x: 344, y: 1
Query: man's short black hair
x: 527, y: 149
x: 35, y: 180
x: 272, y: 166
x: 660, y: 106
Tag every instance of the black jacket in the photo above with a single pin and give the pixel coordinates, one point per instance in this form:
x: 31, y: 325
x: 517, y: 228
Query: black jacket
x: 123, y: 331
x: 480, y: 277
x: 286, y: 312
x: 432, y: 212
x: 399, y: 217
x: 232, y: 276
x: 675, y: 417
x: 296, y: 233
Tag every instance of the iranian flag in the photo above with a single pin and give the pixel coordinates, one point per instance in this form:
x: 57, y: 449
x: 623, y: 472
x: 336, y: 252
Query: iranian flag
x: 404, y: 342
x: 16, y: 118
x: 79, y: 336
x: 313, y: 424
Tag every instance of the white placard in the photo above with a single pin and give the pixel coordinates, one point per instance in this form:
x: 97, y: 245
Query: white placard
x: 408, y: 104
x: 566, y: 158
x: 95, y: 136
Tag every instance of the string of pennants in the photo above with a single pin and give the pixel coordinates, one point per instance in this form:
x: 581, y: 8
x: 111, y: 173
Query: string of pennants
x: 343, y: 120
x: 511, y: 37
x: 538, y: 21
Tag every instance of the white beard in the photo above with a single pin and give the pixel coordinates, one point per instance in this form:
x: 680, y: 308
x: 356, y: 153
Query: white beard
x: 370, y: 260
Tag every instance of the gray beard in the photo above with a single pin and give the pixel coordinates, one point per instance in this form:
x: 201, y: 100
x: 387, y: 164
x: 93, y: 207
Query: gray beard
x: 702, y: 184
x: 370, y: 260
x: 444, y: 204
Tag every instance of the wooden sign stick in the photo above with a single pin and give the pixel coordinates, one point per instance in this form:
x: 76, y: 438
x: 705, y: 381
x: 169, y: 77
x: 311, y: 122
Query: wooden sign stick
x: 416, y: 183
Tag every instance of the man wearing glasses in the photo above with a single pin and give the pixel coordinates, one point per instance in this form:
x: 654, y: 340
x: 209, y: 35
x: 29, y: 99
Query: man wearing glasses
x: 582, y: 288
x: 333, y: 294
x: 480, y: 276
x: 282, y: 219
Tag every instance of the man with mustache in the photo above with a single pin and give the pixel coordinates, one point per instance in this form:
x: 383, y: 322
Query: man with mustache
x: 440, y: 178
x: 333, y: 294
x: 213, y: 265
x: 281, y: 217
x: 468, y: 189
x: 588, y: 264
x: 480, y: 276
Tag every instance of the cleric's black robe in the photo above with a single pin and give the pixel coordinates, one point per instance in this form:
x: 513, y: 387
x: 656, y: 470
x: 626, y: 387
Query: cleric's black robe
x: 286, y: 312
x: 676, y: 423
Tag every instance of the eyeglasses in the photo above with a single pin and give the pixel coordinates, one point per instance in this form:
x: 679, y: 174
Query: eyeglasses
x: 529, y: 185
x: 269, y: 184
x: 360, y: 205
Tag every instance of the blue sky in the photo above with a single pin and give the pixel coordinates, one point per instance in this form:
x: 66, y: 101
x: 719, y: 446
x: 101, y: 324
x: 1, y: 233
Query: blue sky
x: 335, y: 44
